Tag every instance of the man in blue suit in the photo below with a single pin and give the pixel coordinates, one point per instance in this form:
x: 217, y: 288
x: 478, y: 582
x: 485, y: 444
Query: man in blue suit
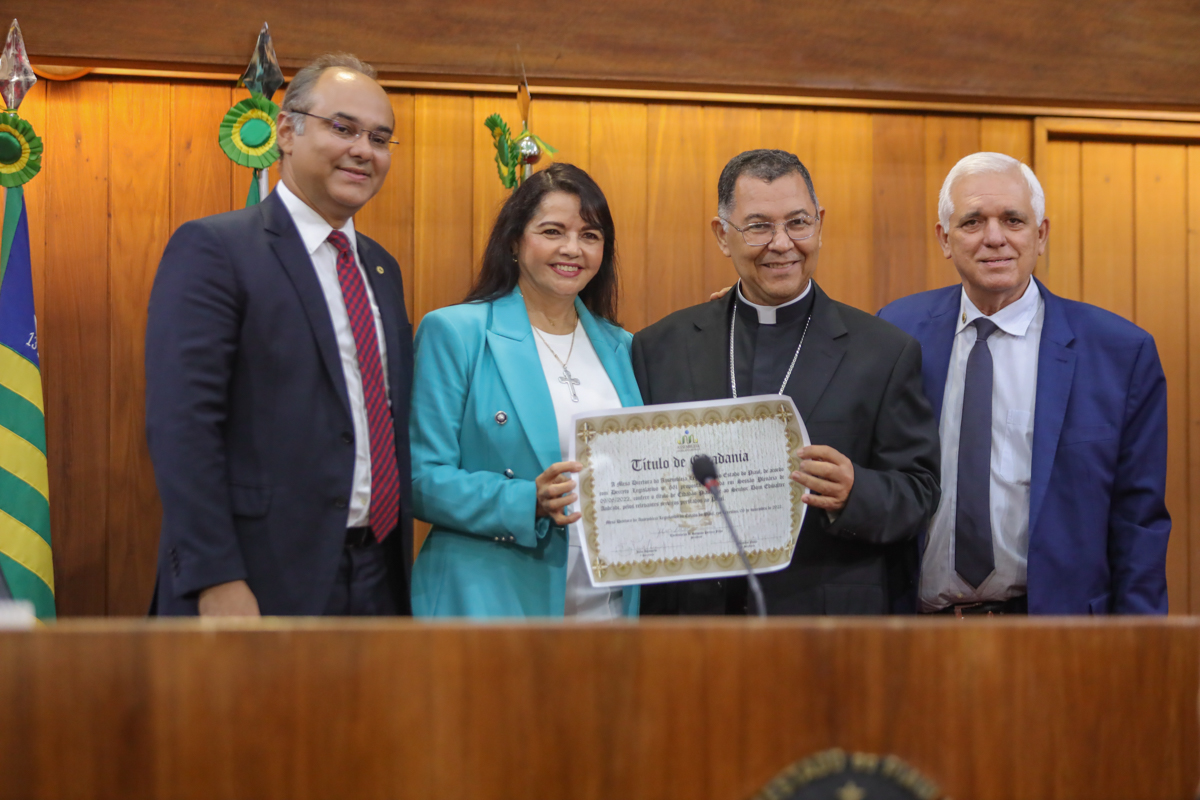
x: 1053, y: 421
x: 278, y: 372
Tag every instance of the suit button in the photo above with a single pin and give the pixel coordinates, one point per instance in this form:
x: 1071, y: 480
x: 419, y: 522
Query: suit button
x: 347, y: 437
x: 508, y: 473
x: 340, y: 503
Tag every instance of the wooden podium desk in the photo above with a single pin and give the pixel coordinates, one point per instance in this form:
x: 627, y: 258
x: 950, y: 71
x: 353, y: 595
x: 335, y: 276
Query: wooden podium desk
x: 1001, y: 708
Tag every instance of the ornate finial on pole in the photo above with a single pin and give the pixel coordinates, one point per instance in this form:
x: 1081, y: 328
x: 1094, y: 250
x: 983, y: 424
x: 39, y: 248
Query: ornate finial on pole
x: 16, y: 75
x: 515, y: 157
x: 20, y: 147
x: 263, y: 75
x: 247, y: 133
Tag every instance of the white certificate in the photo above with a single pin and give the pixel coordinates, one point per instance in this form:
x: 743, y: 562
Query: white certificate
x: 647, y: 520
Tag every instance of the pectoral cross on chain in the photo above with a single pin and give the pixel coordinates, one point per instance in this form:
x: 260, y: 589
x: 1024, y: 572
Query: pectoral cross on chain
x: 571, y: 382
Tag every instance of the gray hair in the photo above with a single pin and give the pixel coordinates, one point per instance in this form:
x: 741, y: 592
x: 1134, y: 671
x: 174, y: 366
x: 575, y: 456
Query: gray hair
x: 299, y: 95
x: 984, y: 163
x: 767, y: 165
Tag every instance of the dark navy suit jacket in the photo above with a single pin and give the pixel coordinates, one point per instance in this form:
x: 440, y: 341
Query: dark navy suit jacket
x: 1098, y: 523
x: 248, y: 417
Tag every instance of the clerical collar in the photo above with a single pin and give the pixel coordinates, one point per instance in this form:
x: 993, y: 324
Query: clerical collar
x: 770, y: 315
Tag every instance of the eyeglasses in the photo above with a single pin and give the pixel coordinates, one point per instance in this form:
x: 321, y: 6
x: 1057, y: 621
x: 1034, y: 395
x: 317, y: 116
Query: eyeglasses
x: 757, y: 234
x: 345, y: 129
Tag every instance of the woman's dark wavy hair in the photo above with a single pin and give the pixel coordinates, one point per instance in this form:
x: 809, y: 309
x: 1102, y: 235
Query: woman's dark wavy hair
x: 498, y: 272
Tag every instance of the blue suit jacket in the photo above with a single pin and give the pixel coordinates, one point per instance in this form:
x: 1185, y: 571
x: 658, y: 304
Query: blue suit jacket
x: 248, y: 417
x: 473, y: 478
x: 1098, y: 522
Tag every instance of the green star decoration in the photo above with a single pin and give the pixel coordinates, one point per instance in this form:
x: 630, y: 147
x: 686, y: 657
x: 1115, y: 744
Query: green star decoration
x: 20, y: 151
x: 247, y: 133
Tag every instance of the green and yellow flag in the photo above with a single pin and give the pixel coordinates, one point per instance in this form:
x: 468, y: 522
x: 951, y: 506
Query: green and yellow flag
x: 26, y: 569
x: 25, y: 562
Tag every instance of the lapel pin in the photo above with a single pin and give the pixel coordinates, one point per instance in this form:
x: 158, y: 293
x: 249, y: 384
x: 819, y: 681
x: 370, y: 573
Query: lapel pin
x: 379, y: 270
x: 501, y: 418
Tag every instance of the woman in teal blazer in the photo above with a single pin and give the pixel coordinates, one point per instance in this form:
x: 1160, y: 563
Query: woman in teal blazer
x: 489, y: 471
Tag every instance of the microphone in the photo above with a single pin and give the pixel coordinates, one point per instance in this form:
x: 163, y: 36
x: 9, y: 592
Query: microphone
x: 705, y: 472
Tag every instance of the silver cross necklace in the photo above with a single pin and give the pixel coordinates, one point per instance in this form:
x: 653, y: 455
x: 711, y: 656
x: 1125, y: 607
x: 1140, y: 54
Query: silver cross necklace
x: 567, y: 378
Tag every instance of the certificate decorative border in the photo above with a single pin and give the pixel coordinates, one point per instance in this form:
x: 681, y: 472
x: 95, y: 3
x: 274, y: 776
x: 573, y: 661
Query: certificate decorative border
x: 690, y: 417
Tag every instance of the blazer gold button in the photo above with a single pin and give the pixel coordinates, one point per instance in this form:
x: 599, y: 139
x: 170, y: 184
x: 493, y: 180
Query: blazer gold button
x: 501, y: 418
x: 508, y: 473
x: 379, y: 270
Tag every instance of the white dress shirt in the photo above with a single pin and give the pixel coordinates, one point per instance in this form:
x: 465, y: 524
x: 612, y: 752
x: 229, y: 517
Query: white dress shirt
x: 314, y: 232
x: 1014, y: 349
x: 596, y: 393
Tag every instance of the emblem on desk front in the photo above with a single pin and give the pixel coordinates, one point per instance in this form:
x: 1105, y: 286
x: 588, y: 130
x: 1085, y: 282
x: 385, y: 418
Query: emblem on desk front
x: 838, y: 775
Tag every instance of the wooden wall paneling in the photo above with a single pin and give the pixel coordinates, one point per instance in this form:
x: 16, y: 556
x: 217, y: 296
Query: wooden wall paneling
x: 619, y: 165
x: 1012, y: 136
x: 901, y: 237
x: 566, y: 126
x: 792, y: 130
x: 200, y: 171
x: 488, y: 194
x: 1125, y: 128
x: 401, y: 178
x: 387, y: 218
x: 1193, y: 428
x: 139, y: 225
x: 842, y: 178
x: 1161, y: 251
x: 442, y: 200
x: 1108, y: 229
x: 75, y: 347
x: 1060, y: 175
x: 675, y: 209
x: 443, y: 265
x: 727, y: 131
x: 947, y: 139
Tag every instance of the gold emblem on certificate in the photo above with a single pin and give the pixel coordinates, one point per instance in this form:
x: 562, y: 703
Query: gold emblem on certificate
x: 647, y: 520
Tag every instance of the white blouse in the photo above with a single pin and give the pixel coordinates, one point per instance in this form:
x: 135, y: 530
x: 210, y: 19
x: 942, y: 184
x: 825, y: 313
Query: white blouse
x: 596, y: 392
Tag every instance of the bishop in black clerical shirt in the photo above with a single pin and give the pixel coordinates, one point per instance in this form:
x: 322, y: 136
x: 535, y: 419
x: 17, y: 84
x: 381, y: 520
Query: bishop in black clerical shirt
x: 872, y: 469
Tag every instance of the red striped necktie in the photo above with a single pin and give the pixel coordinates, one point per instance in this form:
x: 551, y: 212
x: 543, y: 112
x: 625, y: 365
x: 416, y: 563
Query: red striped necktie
x: 385, y: 474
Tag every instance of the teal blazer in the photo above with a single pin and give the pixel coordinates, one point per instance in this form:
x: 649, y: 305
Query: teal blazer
x: 473, y: 475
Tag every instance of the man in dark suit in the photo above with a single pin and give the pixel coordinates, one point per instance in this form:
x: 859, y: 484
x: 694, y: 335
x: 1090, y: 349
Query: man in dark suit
x: 1053, y: 421
x: 872, y: 468
x: 278, y: 370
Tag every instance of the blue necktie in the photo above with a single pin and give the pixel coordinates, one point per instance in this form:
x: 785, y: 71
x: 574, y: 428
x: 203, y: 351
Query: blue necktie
x: 973, y: 558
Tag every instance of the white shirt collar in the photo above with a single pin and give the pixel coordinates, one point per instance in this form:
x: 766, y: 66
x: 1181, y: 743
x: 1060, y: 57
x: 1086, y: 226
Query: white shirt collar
x: 313, y: 228
x: 766, y: 314
x: 1013, y: 319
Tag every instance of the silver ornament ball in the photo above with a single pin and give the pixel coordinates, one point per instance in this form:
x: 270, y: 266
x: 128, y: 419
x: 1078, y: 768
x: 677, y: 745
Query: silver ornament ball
x: 528, y: 151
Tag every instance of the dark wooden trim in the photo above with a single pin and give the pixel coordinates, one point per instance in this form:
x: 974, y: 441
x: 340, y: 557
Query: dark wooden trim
x: 1127, y: 52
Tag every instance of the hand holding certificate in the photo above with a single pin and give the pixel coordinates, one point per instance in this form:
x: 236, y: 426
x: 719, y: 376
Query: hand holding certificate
x: 644, y: 517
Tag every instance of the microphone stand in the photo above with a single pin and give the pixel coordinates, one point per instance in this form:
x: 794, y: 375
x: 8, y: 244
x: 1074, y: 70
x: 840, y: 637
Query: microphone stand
x: 714, y: 488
